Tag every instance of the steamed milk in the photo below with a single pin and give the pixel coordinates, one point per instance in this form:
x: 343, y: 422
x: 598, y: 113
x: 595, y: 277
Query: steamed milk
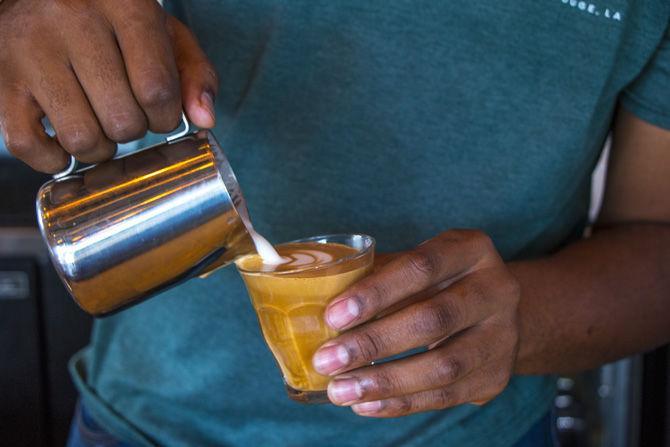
x: 264, y: 248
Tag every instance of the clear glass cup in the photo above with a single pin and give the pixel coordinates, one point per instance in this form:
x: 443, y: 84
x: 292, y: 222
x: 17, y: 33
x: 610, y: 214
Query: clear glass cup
x: 290, y: 307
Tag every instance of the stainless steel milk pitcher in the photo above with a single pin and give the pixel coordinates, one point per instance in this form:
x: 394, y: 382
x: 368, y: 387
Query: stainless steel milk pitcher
x: 123, y: 230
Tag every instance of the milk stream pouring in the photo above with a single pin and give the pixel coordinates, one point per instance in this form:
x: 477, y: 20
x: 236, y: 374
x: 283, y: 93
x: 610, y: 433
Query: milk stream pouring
x: 264, y: 248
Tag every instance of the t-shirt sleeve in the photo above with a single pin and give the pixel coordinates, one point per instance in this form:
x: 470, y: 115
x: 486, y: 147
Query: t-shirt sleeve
x: 648, y: 96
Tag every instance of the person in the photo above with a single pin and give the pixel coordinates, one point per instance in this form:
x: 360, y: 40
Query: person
x: 462, y: 135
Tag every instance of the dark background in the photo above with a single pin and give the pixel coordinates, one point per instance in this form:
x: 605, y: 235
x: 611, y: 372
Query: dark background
x: 40, y: 326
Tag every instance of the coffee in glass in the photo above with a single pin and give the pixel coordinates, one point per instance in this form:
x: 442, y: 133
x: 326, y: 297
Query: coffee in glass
x: 290, y: 299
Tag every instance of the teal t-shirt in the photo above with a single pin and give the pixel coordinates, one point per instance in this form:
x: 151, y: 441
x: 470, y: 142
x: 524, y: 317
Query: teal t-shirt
x: 398, y: 119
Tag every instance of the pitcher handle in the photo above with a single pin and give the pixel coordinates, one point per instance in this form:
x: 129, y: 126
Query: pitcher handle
x: 73, y: 161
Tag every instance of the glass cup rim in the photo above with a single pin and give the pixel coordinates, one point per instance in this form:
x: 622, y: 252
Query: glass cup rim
x: 359, y: 254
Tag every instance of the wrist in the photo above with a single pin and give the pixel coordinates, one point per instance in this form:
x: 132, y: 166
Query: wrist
x: 532, y: 325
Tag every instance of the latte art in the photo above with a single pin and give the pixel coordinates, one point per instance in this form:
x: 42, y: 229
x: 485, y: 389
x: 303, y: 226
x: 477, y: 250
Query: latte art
x: 298, y: 256
x: 304, y: 258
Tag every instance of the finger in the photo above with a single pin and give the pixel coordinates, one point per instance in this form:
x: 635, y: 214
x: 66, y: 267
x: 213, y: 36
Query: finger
x: 199, y: 82
x: 461, y: 306
x: 436, y: 368
x: 141, y: 31
x: 100, y: 70
x: 58, y: 92
x: 446, y: 257
x: 24, y: 135
x: 483, y: 385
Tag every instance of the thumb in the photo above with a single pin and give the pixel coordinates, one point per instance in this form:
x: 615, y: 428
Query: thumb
x: 199, y: 83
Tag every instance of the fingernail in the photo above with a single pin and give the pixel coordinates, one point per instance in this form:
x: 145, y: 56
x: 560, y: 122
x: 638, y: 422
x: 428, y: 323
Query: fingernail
x: 368, y: 407
x: 344, y: 391
x: 207, y: 102
x: 329, y: 359
x: 342, y: 313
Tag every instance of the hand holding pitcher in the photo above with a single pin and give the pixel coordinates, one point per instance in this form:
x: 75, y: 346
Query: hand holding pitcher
x: 103, y: 72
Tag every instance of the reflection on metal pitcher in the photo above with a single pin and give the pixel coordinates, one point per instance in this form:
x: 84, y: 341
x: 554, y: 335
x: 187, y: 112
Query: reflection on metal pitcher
x: 125, y: 229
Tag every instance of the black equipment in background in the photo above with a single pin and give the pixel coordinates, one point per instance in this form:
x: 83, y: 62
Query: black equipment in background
x: 40, y: 326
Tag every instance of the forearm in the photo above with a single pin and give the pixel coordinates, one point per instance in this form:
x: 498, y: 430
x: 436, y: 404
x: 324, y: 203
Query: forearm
x: 595, y: 301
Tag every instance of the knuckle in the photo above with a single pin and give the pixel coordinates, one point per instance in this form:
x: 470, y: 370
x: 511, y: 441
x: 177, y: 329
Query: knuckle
x: 448, y: 369
x: 368, y: 345
x: 479, y: 235
x: 454, y: 235
x: 458, y: 234
x: 172, y: 121
x: 479, y: 238
x: 383, y: 384
x: 27, y: 148
x: 422, y: 264
x: 123, y: 129
x: 20, y: 145
x: 443, y: 398
x: 369, y: 297
x: 157, y: 90
x: 436, y: 319
x: 476, y: 237
x: 78, y: 140
x: 403, y: 405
